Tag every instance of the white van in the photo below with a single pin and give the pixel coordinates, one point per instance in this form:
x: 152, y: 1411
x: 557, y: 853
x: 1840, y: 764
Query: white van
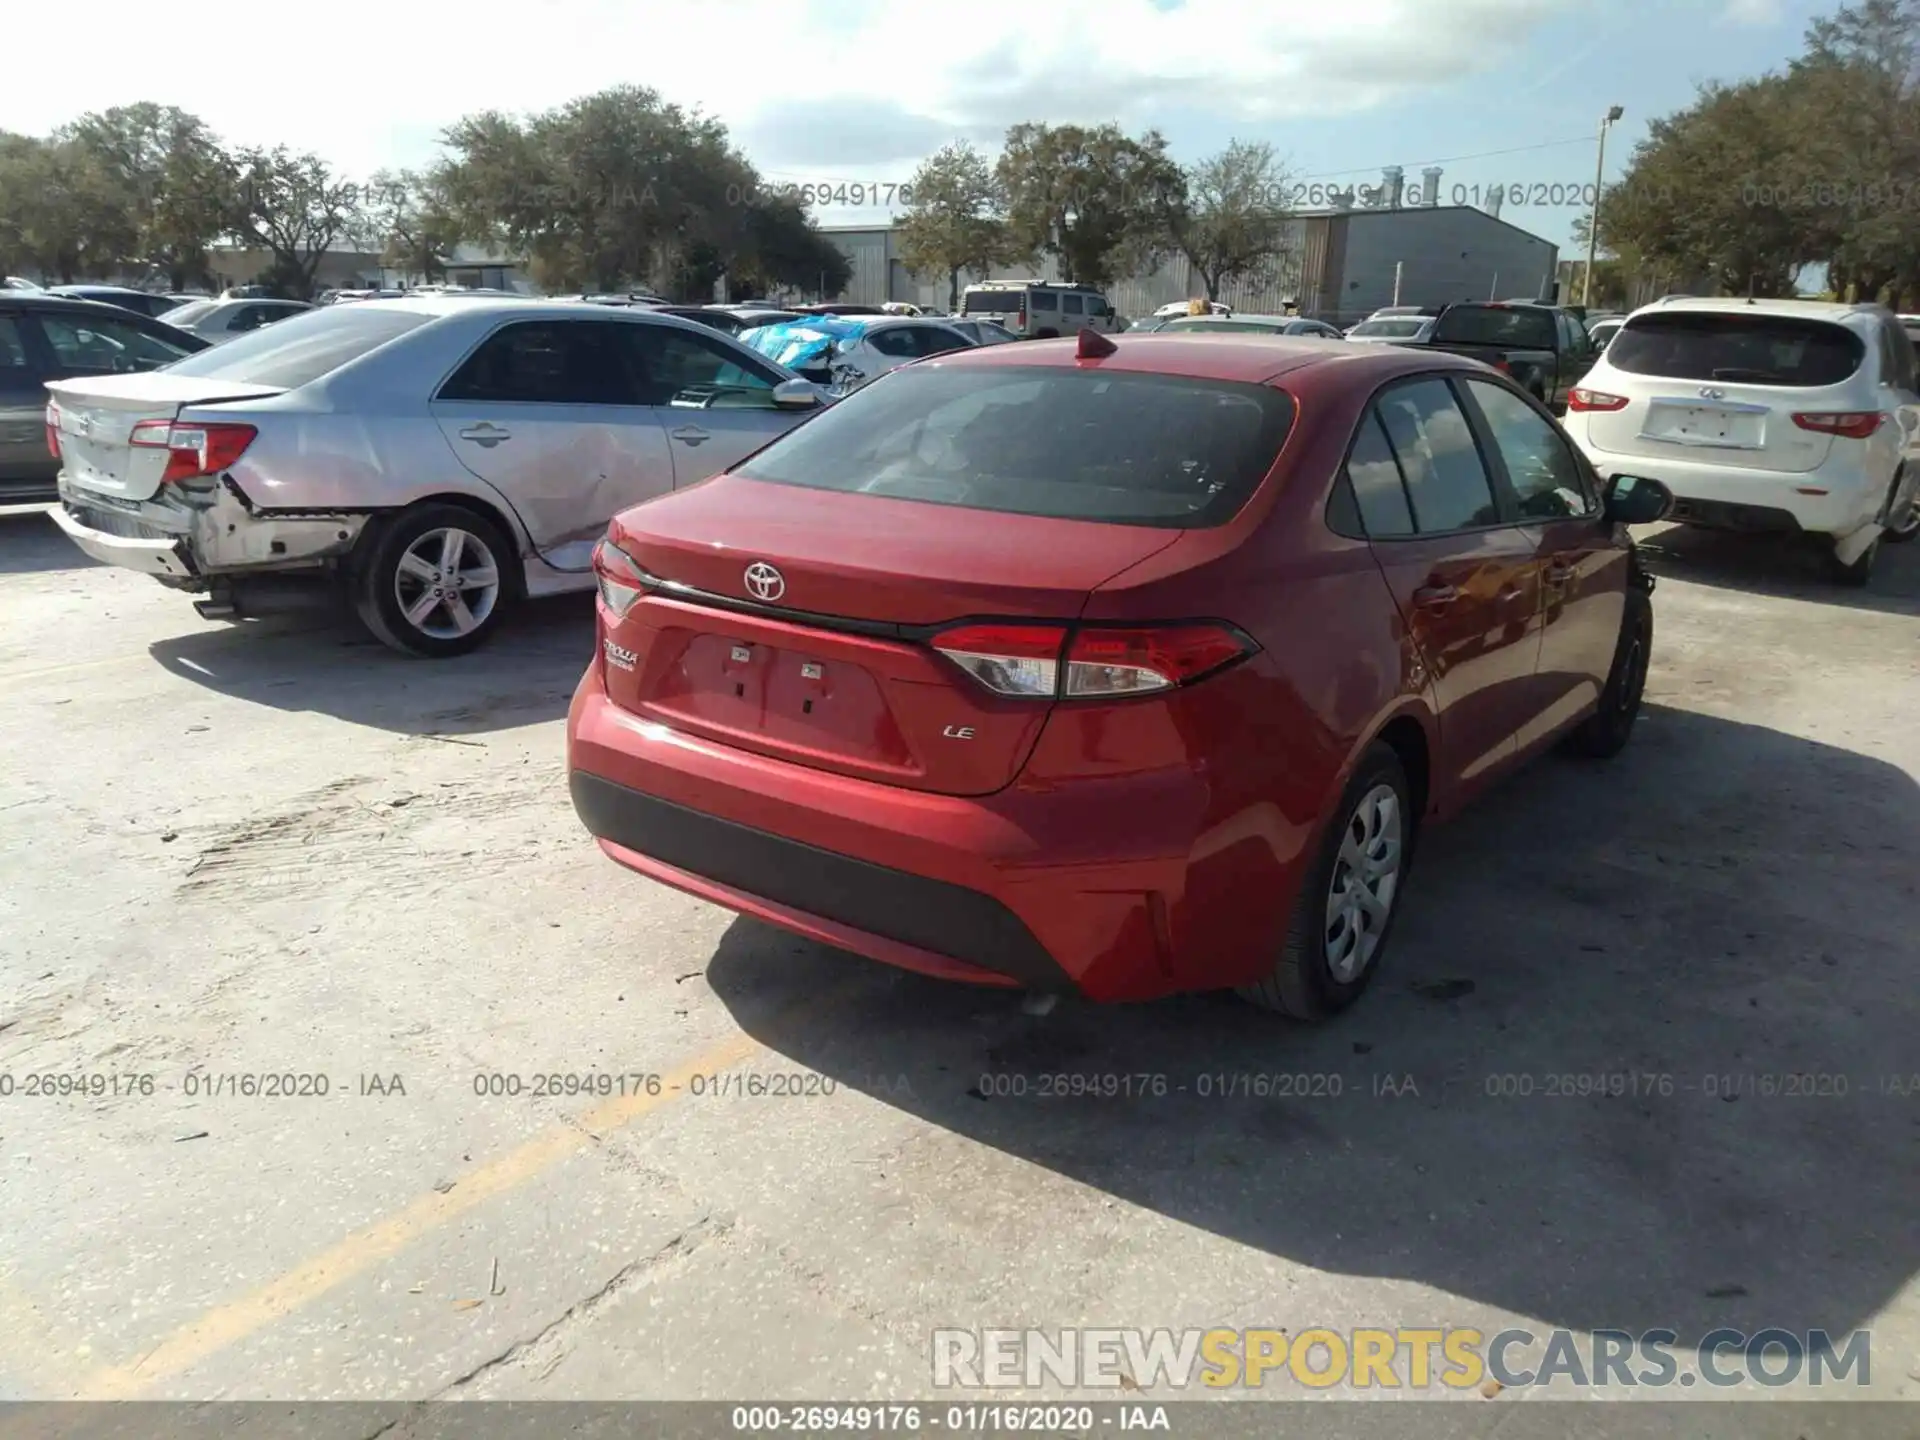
x: 1039, y: 309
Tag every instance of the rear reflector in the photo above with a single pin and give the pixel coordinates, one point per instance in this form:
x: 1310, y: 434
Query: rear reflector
x: 1852, y: 424
x: 1578, y: 399
x: 193, y: 450
x: 1025, y: 660
x: 621, y: 579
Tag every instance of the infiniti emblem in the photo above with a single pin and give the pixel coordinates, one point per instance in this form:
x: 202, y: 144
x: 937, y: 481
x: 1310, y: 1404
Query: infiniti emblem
x: 764, y: 582
x: 1707, y: 392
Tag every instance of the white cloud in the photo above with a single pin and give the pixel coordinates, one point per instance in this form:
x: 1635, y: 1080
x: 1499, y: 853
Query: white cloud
x: 1756, y: 13
x: 789, y: 77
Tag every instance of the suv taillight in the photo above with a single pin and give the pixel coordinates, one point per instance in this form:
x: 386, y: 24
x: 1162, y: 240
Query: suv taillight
x: 1579, y: 399
x: 1852, y: 424
x: 622, y: 581
x: 1098, y: 660
x: 192, y: 450
x: 53, y: 431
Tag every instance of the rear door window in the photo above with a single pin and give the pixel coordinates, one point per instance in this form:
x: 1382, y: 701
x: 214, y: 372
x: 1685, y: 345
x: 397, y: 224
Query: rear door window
x: 1446, y: 478
x: 1044, y: 300
x: 1747, y: 349
x: 302, y: 349
x: 552, y: 362
x: 103, y: 345
x: 1128, y: 449
x: 1071, y: 305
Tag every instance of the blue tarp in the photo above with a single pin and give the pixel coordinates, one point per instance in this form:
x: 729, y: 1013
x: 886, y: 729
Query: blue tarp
x: 806, y: 343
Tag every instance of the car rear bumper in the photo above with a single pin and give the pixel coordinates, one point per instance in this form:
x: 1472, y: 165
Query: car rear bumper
x: 985, y: 889
x: 1722, y: 496
x: 188, y: 538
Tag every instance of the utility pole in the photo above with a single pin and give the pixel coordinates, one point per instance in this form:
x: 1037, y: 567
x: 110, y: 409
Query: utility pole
x: 1593, y: 226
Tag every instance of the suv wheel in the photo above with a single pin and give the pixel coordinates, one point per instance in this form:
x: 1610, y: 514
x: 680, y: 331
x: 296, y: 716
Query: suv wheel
x: 1902, y: 528
x: 1859, y: 572
x: 434, y: 581
x: 1347, y: 903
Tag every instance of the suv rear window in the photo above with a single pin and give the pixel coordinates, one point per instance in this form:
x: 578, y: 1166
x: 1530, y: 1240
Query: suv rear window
x: 1756, y: 349
x: 1519, y: 327
x: 1126, y: 449
x: 300, y: 349
x: 993, y: 302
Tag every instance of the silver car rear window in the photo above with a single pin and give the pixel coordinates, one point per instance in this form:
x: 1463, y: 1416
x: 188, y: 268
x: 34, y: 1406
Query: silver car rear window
x: 302, y: 348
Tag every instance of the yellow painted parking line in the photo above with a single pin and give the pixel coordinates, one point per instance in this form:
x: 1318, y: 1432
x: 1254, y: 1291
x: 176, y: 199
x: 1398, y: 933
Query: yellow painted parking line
x: 238, y: 1319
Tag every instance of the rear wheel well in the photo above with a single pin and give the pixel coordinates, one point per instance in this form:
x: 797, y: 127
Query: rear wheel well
x: 516, y: 578
x: 1407, y: 739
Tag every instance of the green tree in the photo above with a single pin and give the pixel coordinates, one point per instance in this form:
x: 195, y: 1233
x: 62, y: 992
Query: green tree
x: 1235, y: 220
x: 405, y: 218
x: 170, y: 173
x: 781, y: 248
x: 61, y: 212
x: 297, y: 209
x: 607, y: 190
x: 1097, y: 200
x: 955, y: 221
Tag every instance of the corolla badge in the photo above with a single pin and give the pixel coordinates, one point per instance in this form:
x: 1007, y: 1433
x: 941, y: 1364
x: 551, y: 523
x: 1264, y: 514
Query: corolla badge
x: 620, y: 657
x: 764, y: 582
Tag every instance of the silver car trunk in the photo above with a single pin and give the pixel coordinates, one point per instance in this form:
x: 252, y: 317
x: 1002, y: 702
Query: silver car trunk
x: 97, y: 415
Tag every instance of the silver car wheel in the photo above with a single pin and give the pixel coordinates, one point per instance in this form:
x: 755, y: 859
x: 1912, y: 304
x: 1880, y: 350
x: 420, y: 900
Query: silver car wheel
x: 447, y: 583
x: 1366, y: 878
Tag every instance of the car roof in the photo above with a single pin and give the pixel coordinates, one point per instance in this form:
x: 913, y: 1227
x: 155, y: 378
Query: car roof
x: 47, y: 299
x: 1244, y: 357
x: 1730, y: 304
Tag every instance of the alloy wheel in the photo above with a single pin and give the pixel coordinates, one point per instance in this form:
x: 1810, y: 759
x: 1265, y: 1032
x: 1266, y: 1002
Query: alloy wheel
x: 1366, y: 879
x: 447, y: 583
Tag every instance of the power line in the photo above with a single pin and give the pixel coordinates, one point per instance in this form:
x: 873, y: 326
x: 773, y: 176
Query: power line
x: 1454, y: 159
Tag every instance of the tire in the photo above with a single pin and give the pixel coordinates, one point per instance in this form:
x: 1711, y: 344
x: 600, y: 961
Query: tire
x: 402, y: 562
x: 1901, y: 529
x: 1307, y: 982
x: 1604, y: 734
x: 1857, y: 574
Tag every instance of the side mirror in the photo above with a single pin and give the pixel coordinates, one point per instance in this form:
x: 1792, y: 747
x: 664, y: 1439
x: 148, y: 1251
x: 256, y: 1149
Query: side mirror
x: 795, y: 395
x: 1636, y: 500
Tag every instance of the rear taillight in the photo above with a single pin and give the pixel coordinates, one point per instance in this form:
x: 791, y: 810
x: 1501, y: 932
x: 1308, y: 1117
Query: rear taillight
x: 1578, y: 399
x: 53, y: 431
x: 193, y: 450
x: 1852, y: 424
x: 1027, y: 660
x: 1020, y: 320
x: 622, y: 581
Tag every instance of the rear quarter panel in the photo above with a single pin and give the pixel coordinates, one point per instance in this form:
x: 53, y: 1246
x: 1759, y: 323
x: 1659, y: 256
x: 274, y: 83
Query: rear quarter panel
x: 1276, y: 737
x: 363, y: 439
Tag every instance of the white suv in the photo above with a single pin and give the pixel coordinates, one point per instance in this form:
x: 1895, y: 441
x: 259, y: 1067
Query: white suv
x: 1039, y: 309
x: 1784, y: 415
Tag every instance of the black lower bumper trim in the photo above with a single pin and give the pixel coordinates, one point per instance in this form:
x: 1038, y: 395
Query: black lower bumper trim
x: 1726, y: 515
x: 933, y: 915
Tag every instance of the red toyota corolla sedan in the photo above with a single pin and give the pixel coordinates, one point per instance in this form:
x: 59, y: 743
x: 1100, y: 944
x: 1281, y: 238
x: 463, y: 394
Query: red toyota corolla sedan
x: 1128, y: 666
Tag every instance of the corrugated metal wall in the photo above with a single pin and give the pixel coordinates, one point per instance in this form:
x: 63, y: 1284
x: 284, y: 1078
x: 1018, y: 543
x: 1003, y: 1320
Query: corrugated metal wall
x: 1337, y: 267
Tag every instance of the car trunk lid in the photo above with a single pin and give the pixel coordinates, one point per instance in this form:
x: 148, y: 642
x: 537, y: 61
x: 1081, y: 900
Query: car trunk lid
x: 804, y: 631
x: 94, y: 419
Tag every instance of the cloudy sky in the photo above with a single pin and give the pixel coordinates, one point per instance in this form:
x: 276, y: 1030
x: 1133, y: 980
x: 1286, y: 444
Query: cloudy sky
x: 1496, y: 91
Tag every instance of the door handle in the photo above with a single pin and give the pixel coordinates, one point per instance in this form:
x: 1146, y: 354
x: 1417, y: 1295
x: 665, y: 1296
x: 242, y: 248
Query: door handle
x: 1559, y: 572
x: 691, y: 435
x: 485, y: 435
x: 1433, y: 597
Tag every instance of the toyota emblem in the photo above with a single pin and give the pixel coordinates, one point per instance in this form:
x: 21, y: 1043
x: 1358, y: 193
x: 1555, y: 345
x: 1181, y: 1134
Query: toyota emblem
x: 1707, y: 392
x: 764, y: 582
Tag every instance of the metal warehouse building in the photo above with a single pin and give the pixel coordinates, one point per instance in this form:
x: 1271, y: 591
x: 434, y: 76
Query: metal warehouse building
x: 1337, y: 264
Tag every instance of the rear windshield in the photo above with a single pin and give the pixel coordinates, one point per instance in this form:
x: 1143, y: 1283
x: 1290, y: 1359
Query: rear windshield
x: 993, y: 302
x: 300, y: 349
x: 1391, y: 327
x: 1518, y: 327
x: 188, y: 313
x: 1756, y: 349
x: 1127, y: 449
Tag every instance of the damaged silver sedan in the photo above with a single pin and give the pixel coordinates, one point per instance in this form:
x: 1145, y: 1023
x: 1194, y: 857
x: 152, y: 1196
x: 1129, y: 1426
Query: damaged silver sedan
x: 440, y: 458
